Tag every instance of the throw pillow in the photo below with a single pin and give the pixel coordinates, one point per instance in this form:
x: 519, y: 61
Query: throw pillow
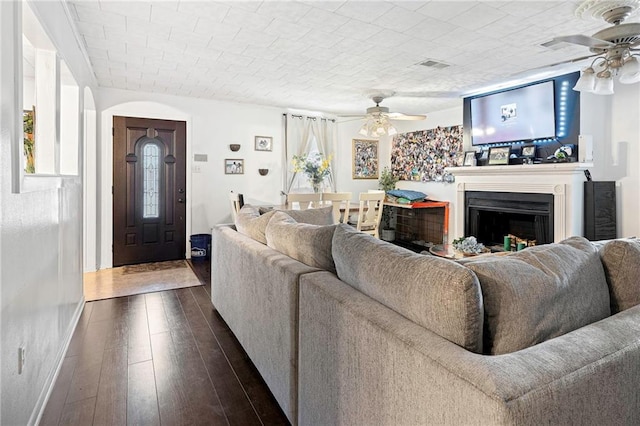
x: 437, y: 294
x: 309, y: 244
x: 408, y: 194
x: 540, y: 293
x: 621, y: 261
x: 250, y: 223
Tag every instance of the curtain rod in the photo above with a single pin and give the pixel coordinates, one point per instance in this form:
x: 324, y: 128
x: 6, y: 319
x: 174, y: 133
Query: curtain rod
x: 333, y: 120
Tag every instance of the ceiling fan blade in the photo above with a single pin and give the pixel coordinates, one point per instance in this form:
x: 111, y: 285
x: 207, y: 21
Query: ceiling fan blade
x: 352, y: 115
x: 353, y: 118
x: 401, y: 116
x: 580, y: 39
x: 568, y: 61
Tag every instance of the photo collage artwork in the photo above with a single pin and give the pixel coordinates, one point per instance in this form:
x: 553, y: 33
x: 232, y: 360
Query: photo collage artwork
x: 423, y: 155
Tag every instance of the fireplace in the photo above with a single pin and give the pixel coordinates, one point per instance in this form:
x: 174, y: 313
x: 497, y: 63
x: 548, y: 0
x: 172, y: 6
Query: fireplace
x: 492, y: 215
x: 563, y: 182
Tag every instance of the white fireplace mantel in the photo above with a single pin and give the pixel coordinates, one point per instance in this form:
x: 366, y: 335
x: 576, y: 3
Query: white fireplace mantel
x: 563, y: 180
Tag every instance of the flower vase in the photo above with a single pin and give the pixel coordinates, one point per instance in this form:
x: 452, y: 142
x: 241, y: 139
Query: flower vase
x: 317, y: 187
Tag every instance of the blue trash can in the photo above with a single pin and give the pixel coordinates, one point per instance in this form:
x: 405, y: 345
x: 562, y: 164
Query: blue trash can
x: 200, y: 246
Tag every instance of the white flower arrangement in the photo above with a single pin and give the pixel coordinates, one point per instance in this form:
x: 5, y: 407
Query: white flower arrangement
x: 468, y: 245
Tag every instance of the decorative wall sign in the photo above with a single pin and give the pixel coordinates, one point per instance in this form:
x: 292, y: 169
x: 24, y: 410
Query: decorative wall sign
x: 423, y: 155
x: 264, y: 143
x: 233, y: 166
x: 365, y: 159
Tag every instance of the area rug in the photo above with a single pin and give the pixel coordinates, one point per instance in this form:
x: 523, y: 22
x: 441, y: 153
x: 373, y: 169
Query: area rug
x: 138, y: 279
x: 154, y: 266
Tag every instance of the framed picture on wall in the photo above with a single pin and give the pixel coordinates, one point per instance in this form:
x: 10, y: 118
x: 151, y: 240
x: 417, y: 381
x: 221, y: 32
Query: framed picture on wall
x: 365, y: 159
x: 233, y: 166
x: 263, y: 143
x: 499, y: 155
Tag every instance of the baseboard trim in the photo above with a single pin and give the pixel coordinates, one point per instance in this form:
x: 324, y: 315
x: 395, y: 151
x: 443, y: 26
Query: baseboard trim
x: 38, y: 411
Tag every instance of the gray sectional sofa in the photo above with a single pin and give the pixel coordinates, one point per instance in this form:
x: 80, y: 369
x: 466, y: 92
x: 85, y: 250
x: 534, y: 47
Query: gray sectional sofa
x: 375, y: 334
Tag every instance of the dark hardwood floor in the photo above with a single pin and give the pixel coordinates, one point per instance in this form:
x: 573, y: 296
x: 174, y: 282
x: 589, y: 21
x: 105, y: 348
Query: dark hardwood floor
x: 159, y: 358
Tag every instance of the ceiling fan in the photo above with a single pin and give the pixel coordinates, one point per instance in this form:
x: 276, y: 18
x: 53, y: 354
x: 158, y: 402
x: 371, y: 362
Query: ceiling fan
x: 378, y: 119
x: 613, y: 49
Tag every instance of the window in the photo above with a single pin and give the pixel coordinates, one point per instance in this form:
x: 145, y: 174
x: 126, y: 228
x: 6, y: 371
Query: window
x: 151, y: 180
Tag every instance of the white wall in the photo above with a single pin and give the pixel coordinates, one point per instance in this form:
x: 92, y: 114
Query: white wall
x: 622, y: 156
x: 90, y: 184
x: 211, y: 127
x: 40, y: 234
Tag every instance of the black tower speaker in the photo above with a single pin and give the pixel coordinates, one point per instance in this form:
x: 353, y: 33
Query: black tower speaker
x: 599, y: 210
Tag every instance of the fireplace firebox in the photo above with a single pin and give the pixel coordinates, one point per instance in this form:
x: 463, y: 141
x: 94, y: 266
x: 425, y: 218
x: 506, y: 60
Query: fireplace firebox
x: 489, y: 216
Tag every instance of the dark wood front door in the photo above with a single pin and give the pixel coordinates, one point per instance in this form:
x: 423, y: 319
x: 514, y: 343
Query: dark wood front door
x: 149, y: 175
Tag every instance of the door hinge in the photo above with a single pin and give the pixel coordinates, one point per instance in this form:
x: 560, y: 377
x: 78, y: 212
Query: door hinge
x: 113, y: 131
x: 111, y: 189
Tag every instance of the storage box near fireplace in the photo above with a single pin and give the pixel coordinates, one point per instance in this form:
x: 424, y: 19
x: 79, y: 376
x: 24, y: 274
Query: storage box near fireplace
x: 426, y: 225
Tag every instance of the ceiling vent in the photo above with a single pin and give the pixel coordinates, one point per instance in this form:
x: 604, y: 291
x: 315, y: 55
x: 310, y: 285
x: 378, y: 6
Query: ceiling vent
x: 433, y: 64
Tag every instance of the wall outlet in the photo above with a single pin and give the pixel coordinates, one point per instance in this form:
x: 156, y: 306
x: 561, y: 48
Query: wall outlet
x: 22, y: 358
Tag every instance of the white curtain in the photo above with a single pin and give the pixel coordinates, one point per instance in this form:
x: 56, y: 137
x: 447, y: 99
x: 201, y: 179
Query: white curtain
x: 308, y: 135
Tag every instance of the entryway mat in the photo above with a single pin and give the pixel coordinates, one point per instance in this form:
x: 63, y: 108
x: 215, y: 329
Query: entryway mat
x: 138, y: 279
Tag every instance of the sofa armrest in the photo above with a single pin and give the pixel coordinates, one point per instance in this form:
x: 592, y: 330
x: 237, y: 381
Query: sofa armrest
x: 362, y: 363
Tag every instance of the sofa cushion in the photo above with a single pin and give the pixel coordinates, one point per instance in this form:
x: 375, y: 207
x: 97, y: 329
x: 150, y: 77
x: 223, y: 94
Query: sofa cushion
x: 540, y: 293
x: 252, y: 221
x: 621, y: 261
x: 309, y: 244
x: 320, y: 216
x: 435, y: 293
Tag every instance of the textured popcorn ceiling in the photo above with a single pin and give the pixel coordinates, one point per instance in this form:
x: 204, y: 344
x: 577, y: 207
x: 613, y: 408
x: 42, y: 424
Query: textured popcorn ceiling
x: 323, y: 56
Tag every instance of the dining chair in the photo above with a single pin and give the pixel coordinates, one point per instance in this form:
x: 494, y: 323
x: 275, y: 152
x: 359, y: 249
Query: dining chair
x: 370, y: 212
x: 236, y: 200
x: 304, y: 200
x: 338, y: 200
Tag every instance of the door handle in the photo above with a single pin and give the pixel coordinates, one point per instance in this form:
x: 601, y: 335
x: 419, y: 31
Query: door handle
x: 181, y: 200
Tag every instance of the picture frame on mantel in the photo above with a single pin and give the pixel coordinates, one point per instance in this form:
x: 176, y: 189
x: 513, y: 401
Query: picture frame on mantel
x: 499, y: 155
x: 528, y: 151
x: 263, y: 143
x: 469, y: 158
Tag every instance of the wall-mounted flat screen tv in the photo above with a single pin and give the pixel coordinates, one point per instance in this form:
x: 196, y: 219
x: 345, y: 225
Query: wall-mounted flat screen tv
x: 514, y: 115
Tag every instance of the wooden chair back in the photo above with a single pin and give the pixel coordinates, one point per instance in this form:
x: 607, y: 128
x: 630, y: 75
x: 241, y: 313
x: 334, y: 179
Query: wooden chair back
x: 370, y: 212
x: 236, y: 201
x: 338, y: 200
x: 304, y: 200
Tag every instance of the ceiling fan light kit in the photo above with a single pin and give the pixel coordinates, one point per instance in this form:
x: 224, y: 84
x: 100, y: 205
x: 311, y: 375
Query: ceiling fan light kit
x: 377, y: 127
x: 613, y: 47
x: 630, y: 72
x: 624, y: 65
x: 378, y: 120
